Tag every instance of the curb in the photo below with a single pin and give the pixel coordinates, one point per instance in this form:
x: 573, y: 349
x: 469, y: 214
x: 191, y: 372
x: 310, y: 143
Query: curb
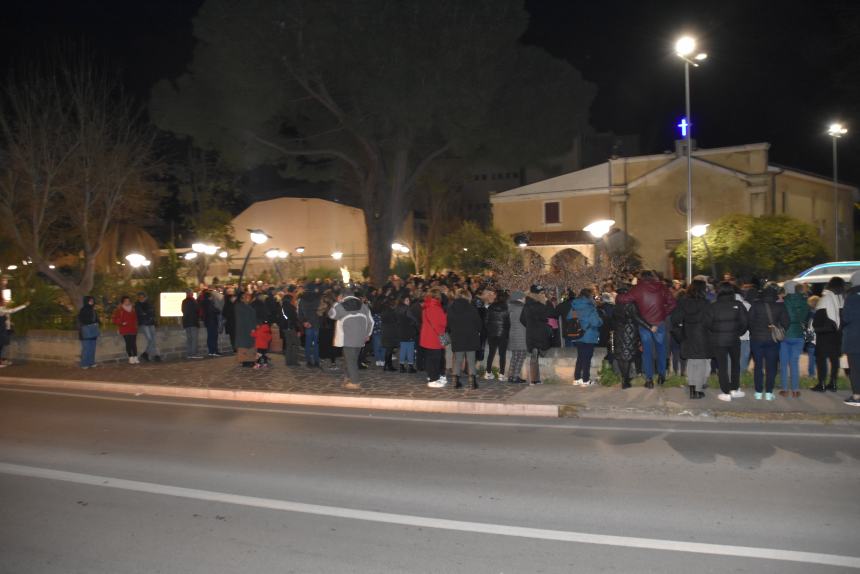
x: 273, y: 397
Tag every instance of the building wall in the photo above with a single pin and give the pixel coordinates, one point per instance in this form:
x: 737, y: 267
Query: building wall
x: 576, y: 213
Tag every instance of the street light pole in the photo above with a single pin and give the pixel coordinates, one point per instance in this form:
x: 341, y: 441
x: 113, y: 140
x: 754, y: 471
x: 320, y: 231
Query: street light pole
x: 836, y: 131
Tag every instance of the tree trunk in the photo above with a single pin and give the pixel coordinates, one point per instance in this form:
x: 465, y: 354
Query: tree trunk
x: 75, y: 291
x: 380, y: 234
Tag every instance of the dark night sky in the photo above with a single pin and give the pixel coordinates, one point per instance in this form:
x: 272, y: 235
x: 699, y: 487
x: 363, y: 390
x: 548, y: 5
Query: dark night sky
x: 778, y: 71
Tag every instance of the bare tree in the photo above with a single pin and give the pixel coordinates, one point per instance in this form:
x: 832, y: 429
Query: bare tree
x: 74, y: 160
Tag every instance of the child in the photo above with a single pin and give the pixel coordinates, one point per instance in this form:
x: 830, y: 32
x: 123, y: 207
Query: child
x: 262, y: 338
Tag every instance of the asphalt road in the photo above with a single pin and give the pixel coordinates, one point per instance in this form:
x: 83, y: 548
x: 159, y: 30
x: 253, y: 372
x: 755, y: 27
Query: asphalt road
x: 99, y: 484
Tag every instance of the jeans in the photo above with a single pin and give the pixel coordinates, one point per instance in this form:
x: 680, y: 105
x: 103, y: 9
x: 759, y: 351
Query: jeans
x: 151, y: 345
x: 88, y: 352
x: 854, y: 372
x: 312, y: 346
x: 500, y: 344
x: 649, y: 342
x: 407, y: 352
x: 810, y: 355
x: 765, y: 354
x: 789, y: 362
x: 212, y: 338
x: 745, y: 355
x: 584, y: 352
x: 378, y: 349
x: 190, y: 341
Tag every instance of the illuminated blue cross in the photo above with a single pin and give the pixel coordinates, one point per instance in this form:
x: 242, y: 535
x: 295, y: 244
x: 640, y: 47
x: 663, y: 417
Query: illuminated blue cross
x: 684, y: 125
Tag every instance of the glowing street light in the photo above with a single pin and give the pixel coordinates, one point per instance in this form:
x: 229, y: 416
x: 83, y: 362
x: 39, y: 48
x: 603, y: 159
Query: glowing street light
x: 137, y: 260
x: 272, y: 253
x: 191, y: 256
x: 337, y: 255
x: 198, y: 247
x: 258, y: 237
x: 12, y: 268
x: 223, y: 255
x: 699, y: 230
x: 300, y: 250
x: 599, y: 228
x: 685, y: 48
x: 399, y: 248
x: 283, y: 254
x: 836, y: 131
x: 522, y: 240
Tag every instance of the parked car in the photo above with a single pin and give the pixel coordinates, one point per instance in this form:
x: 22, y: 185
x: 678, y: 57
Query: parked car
x: 822, y: 273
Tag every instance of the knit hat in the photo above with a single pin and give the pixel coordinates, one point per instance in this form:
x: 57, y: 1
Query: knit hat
x: 855, y: 279
x: 790, y: 287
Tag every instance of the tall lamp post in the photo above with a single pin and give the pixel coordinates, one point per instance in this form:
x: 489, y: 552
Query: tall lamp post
x: 836, y: 131
x: 258, y: 237
x: 700, y: 231
x: 685, y: 48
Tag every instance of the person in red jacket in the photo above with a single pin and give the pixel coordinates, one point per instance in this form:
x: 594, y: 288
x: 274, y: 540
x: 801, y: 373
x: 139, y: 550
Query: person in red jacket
x: 262, y: 338
x: 654, y: 302
x: 434, y: 322
x: 125, y: 318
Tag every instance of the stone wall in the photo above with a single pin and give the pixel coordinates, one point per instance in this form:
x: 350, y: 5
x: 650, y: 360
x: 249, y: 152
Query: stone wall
x: 47, y: 346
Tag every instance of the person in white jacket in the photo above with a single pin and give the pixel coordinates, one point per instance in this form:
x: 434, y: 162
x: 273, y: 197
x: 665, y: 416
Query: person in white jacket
x: 352, y: 330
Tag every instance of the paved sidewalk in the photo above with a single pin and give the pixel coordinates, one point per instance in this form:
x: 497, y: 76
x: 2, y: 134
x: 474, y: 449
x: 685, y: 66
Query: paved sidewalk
x: 223, y: 378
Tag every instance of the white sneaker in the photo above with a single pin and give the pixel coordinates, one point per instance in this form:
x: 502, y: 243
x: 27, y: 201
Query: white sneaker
x: 587, y: 383
x: 502, y: 378
x: 131, y: 360
x: 488, y: 376
x: 577, y: 383
x: 724, y: 397
x: 738, y: 394
x: 437, y: 384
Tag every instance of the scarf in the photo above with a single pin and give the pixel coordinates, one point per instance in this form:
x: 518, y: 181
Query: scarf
x: 832, y: 303
x: 127, y: 308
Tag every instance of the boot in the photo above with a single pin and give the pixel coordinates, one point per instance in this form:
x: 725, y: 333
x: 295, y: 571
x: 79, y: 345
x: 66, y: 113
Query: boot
x: 402, y: 368
x: 457, y: 384
x: 473, y: 381
x: 819, y: 388
x: 412, y: 370
x: 832, y: 387
x: 661, y: 379
x: 649, y: 384
x: 694, y: 394
x: 625, y: 384
x: 389, y: 365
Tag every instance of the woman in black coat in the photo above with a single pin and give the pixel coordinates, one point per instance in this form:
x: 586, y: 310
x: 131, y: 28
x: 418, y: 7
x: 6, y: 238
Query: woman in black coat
x: 464, y: 327
x: 390, y: 331
x: 497, y: 328
x: 407, y: 331
x: 726, y: 320
x: 688, y: 327
x: 626, y: 322
x: 535, y: 317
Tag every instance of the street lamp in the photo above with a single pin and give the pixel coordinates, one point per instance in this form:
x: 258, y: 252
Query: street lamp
x: 191, y: 256
x: 836, y: 131
x: 685, y: 48
x: 258, y: 237
x: 522, y: 240
x: 700, y: 231
x: 598, y: 229
x: 300, y: 250
x: 137, y: 260
x: 337, y: 255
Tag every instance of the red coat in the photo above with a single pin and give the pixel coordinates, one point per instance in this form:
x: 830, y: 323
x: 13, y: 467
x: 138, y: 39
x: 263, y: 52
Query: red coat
x: 262, y: 336
x: 125, y: 320
x: 433, y: 323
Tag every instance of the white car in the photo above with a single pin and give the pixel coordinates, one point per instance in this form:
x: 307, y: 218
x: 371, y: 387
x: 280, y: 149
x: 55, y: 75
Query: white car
x: 823, y: 272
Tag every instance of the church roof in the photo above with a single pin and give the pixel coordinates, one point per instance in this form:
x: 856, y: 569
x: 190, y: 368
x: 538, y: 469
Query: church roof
x: 591, y: 180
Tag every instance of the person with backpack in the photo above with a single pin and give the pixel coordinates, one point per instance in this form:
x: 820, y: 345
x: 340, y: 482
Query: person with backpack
x: 688, y: 327
x: 584, y: 328
x: 791, y: 347
x: 353, y: 328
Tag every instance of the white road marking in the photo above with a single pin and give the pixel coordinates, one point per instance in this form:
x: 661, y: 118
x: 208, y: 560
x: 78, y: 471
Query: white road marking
x: 464, y: 421
x: 438, y: 523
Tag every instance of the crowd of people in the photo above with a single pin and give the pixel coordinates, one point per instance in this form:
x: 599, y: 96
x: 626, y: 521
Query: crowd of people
x: 454, y: 328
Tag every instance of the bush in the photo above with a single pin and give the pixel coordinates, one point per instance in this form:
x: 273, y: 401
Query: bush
x: 322, y: 273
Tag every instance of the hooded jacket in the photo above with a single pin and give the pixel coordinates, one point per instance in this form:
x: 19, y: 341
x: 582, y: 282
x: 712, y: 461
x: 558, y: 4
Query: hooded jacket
x: 759, y: 320
x: 308, y: 305
x: 589, y: 320
x: 190, y: 312
x: 534, y: 318
x: 798, y: 312
x: 725, y: 320
x: 354, y: 322
x: 434, y: 322
x: 851, y: 321
x: 262, y: 336
x: 126, y: 321
x: 145, y: 313
x: 688, y: 323
x: 498, y: 320
x: 653, y: 300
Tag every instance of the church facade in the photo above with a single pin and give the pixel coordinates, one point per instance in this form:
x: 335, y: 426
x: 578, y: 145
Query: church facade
x: 646, y: 197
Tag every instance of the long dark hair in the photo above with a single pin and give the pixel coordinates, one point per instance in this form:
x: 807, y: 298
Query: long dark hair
x: 698, y: 289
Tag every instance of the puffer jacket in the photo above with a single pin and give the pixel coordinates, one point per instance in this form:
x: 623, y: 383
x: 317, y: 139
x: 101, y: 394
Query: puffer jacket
x: 725, y: 320
x: 390, y: 328
x: 517, y: 334
x: 850, y: 321
x: 534, y: 318
x: 464, y: 325
x: 688, y: 325
x: 653, y: 300
x: 407, y: 326
x: 434, y: 322
x: 498, y: 321
x: 759, y: 321
x: 589, y: 320
x: 625, y: 331
x: 798, y: 311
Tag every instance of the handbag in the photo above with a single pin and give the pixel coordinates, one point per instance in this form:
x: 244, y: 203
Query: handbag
x: 90, y: 331
x: 444, y: 339
x: 777, y: 333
